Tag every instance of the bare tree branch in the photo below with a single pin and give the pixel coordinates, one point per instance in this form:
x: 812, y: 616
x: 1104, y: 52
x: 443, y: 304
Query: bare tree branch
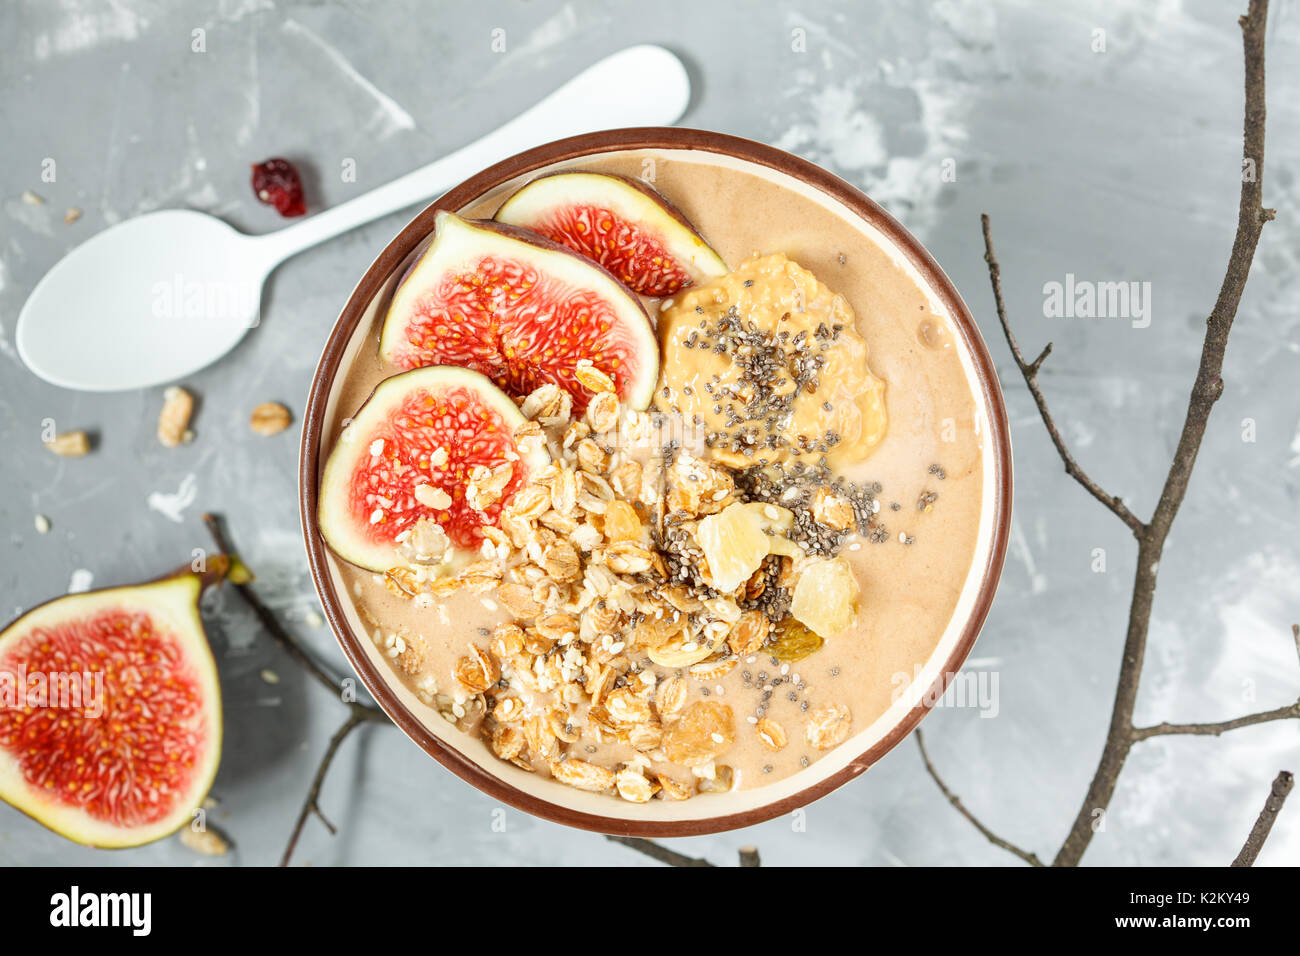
x: 1277, y: 795
x: 1151, y: 535
x: 657, y: 852
x: 1291, y: 711
x: 989, y: 835
x: 1206, y: 390
x: 1030, y: 372
x: 359, y: 714
x: 265, y: 616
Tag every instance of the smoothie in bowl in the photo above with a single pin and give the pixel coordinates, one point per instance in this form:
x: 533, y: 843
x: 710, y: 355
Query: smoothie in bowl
x: 655, y: 481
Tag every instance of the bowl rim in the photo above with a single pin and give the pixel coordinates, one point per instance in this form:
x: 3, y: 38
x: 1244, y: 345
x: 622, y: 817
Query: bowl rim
x: 575, y: 147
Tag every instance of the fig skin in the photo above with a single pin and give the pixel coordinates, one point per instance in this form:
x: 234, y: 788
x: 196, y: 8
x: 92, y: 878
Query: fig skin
x: 629, y: 309
x: 688, y: 249
x: 175, y: 599
x: 334, y: 518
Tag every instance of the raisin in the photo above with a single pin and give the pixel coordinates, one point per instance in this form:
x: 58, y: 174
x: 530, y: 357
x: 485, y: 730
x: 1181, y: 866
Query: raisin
x: 794, y: 641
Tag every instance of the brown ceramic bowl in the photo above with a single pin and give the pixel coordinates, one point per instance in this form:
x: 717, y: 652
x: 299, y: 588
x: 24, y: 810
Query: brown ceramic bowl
x: 469, y: 758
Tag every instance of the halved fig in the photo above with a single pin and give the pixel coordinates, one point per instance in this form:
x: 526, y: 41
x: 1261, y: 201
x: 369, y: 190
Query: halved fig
x: 623, y: 224
x: 428, y: 461
x: 110, y: 712
x: 522, y: 310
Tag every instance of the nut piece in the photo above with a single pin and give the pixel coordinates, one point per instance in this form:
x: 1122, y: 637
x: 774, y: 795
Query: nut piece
x: 705, y: 730
x: 477, y: 671
x: 547, y: 403
x: 828, y: 726
x: 626, y: 709
x: 205, y: 841
x: 772, y: 734
x: 633, y: 786
x: 680, y: 651
x: 749, y: 633
x: 673, y: 790
x: 174, y: 420
x: 628, y: 557
x: 508, y: 742
x: 70, y: 444
x: 834, y: 511
x: 269, y: 418
x: 603, y: 412
x: 722, y: 780
x: 592, y: 378
x: 583, y: 775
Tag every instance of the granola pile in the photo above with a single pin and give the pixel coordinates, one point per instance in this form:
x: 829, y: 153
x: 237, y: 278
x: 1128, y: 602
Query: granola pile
x: 636, y: 574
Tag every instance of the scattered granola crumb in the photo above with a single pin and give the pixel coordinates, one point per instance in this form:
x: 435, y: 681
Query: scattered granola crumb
x: 270, y: 676
x: 72, y: 215
x: 270, y: 418
x: 206, y: 841
x: 32, y: 199
x: 174, y: 419
x: 42, y: 524
x: 70, y: 444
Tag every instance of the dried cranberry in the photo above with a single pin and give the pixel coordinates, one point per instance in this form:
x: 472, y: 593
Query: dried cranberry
x: 276, y: 183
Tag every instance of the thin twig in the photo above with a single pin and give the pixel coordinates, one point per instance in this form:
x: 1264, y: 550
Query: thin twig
x: 1029, y: 370
x: 264, y: 614
x: 358, y: 715
x: 989, y: 835
x: 1206, y: 390
x: 1289, y: 712
x: 657, y: 852
x: 1151, y: 535
x: 1277, y: 795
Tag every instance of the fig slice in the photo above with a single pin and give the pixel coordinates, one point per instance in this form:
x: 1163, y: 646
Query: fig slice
x: 522, y: 310
x: 621, y: 223
x: 400, y: 474
x: 110, y: 711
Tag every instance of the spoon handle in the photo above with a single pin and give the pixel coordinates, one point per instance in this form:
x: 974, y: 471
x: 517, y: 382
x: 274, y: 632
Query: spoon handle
x: 642, y: 85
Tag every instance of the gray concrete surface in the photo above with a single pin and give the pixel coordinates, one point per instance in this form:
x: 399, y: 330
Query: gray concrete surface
x: 1113, y: 166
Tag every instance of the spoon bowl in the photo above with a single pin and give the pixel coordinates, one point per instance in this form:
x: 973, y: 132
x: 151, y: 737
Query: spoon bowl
x: 148, y: 301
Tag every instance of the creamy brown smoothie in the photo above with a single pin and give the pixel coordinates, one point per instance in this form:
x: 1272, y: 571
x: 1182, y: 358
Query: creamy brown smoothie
x: 811, y: 406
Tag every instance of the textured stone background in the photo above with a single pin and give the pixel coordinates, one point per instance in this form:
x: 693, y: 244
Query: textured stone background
x: 1120, y: 165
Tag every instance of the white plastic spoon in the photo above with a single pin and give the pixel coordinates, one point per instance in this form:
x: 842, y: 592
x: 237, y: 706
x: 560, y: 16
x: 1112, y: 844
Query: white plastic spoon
x: 163, y: 295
